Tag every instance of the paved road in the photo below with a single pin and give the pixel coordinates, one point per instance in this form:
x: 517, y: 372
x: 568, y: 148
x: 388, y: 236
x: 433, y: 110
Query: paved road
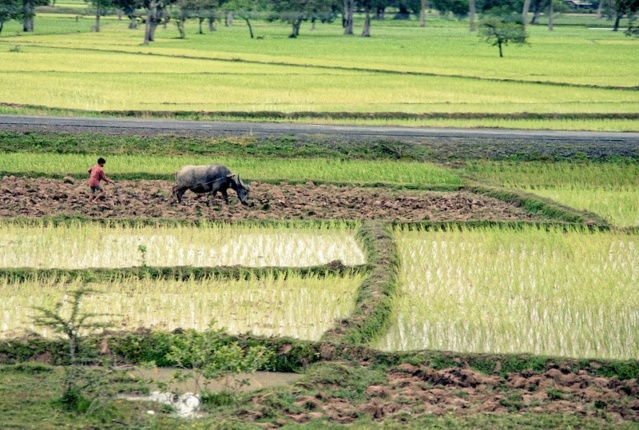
x: 210, y: 128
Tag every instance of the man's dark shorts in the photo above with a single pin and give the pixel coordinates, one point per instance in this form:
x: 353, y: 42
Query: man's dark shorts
x: 96, y: 189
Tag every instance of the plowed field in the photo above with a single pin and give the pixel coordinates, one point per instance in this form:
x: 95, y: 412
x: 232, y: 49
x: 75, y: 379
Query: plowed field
x: 36, y: 197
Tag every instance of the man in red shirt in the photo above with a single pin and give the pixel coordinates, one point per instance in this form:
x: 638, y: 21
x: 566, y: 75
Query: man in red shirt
x: 96, y: 175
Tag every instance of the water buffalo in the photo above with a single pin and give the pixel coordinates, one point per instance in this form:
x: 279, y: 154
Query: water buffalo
x: 211, y: 178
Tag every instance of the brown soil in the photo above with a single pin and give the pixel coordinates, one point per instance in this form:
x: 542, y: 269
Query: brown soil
x: 36, y: 197
x: 413, y: 391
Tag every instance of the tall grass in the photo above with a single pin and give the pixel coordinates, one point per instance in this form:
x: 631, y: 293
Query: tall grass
x: 550, y: 292
x: 608, y: 189
x: 91, y: 246
x: 249, y: 167
x: 300, y: 307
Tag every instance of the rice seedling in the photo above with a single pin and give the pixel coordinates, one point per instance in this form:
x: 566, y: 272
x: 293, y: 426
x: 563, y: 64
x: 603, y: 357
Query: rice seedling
x: 608, y: 189
x: 619, y: 206
x: 250, y: 168
x: 545, y: 174
x: 550, y: 292
x: 84, y: 245
x: 300, y: 307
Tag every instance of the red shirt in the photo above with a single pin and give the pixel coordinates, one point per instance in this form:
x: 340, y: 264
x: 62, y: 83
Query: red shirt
x: 97, y: 174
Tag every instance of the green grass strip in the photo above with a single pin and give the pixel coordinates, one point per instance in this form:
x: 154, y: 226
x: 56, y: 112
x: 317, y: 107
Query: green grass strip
x: 374, y: 303
x: 181, y: 273
x: 311, y: 115
x: 294, y: 355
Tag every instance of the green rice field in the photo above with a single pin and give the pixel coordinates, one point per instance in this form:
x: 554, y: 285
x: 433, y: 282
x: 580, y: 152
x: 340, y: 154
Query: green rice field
x: 535, y: 290
x: 608, y: 189
x: 93, y: 246
x: 291, y: 306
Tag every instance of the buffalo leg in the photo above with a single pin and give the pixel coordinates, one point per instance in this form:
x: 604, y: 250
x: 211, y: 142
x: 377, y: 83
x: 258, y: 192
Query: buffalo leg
x: 209, y: 201
x: 225, y: 195
x: 178, y: 193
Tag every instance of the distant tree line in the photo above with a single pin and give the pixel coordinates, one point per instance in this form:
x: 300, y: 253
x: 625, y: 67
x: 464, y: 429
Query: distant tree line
x: 152, y: 13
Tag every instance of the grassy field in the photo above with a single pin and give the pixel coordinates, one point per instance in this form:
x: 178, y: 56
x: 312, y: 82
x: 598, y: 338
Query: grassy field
x: 64, y: 65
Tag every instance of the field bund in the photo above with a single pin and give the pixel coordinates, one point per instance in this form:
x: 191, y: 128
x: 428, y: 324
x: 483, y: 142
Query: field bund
x: 545, y: 291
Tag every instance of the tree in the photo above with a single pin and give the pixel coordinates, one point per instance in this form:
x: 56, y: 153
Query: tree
x: 380, y: 8
x: 246, y: 10
x: 499, y: 7
x: 27, y: 13
x: 183, y: 10
x: 624, y: 7
x: 471, y: 15
x: 500, y: 32
x: 207, y: 12
x: 537, y: 7
x: 101, y: 8
x: 9, y: 9
x: 550, y: 7
x: 459, y: 8
x: 524, y: 12
x: 297, y: 11
x: 128, y: 7
x: 68, y: 320
x: 367, y: 5
x: 200, y: 9
x: 156, y: 12
x: 347, y: 16
x: 406, y: 7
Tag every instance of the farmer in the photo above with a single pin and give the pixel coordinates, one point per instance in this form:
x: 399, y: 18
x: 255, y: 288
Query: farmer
x: 96, y: 175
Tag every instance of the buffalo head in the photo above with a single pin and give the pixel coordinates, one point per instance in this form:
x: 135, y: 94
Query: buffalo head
x: 239, y: 187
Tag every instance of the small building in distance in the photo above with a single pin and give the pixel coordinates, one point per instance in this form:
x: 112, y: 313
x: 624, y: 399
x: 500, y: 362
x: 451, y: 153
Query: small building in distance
x: 579, y: 4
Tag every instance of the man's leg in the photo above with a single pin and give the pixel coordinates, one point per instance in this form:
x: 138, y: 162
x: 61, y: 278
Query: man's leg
x: 98, y: 192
